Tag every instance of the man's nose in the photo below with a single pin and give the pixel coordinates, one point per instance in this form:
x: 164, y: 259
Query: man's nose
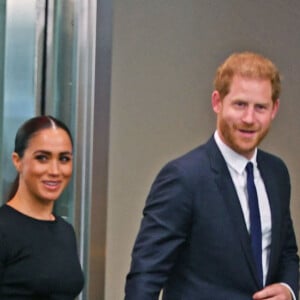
x: 249, y: 115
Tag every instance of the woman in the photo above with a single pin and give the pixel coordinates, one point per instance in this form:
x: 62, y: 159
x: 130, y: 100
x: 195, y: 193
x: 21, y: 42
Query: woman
x: 38, y: 255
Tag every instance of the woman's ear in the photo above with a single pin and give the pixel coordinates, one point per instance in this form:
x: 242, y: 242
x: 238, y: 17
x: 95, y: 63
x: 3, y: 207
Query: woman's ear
x: 16, y: 159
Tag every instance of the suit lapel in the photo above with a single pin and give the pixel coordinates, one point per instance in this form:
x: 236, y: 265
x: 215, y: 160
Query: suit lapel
x: 228, y: 191
x: 274, y: 201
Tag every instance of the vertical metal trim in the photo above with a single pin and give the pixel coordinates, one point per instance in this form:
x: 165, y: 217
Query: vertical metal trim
x: 94, y: 29
x: 100, y: 150
x: 85, y: 30
x: 41, y: 54
x: 48, y: 59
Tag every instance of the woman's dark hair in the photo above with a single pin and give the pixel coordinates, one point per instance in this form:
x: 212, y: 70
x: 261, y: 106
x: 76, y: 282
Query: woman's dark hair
x: 26, y: 131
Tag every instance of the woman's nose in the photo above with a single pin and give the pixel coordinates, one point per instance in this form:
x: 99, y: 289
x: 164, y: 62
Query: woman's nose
x: 54, y: 167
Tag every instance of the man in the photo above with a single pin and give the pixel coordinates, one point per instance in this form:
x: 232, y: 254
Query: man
x: 201, y: 236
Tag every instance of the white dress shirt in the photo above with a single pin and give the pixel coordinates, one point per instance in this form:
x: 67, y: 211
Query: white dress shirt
x: 236, y: 164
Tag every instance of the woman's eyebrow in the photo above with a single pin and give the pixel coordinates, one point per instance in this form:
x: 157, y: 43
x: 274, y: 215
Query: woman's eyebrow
x: 49, y: 152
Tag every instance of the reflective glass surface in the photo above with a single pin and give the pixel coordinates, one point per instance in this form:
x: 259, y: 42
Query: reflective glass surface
x: 17, y: 46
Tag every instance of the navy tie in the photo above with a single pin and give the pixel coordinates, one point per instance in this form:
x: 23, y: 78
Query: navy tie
x: 255, y: 225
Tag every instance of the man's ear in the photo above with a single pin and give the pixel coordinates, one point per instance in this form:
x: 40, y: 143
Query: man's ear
x: 216, y: 101
x: 275, y: 108
x: 16, y: 161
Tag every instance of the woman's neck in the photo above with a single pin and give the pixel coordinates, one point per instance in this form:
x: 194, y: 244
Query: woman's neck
x: 32, y: 207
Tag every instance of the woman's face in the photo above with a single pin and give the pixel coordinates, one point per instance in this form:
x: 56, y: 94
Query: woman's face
x: 46, y: 166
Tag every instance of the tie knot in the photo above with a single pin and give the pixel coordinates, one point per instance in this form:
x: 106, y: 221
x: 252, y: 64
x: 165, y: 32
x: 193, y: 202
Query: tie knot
x: 249, y: 168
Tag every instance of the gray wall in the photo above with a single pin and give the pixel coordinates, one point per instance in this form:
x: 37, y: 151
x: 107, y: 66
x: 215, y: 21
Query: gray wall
x: 165, y: 53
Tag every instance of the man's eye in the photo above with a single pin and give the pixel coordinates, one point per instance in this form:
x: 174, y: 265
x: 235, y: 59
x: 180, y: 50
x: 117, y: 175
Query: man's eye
x: 240, y: 104
x: 261, y: 107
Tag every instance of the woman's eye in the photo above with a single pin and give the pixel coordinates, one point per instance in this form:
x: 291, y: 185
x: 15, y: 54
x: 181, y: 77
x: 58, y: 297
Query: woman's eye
x: 65, y: 158
x: 41, y: 158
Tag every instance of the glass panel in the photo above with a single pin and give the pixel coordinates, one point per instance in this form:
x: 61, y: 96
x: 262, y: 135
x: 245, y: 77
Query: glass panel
x: 2, y: 39
x: 71, y: 96
x: 47, y: 65
x: 18, y: 36
x: 60, y: 73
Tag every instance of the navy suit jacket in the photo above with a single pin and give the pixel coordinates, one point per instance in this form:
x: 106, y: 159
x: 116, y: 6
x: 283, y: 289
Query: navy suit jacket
x: 193, y: 242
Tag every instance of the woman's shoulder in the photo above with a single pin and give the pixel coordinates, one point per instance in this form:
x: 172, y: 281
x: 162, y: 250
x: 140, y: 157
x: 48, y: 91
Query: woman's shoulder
x: 6, y: 221
x: 5, y: 213
x: 64, y: 224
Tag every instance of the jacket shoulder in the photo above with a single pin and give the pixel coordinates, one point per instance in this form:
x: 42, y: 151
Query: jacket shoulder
x: 196, y: 163
x: 269, y: 160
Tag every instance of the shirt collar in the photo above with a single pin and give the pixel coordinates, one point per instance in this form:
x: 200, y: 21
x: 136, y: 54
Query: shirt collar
x: 232, y: 158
